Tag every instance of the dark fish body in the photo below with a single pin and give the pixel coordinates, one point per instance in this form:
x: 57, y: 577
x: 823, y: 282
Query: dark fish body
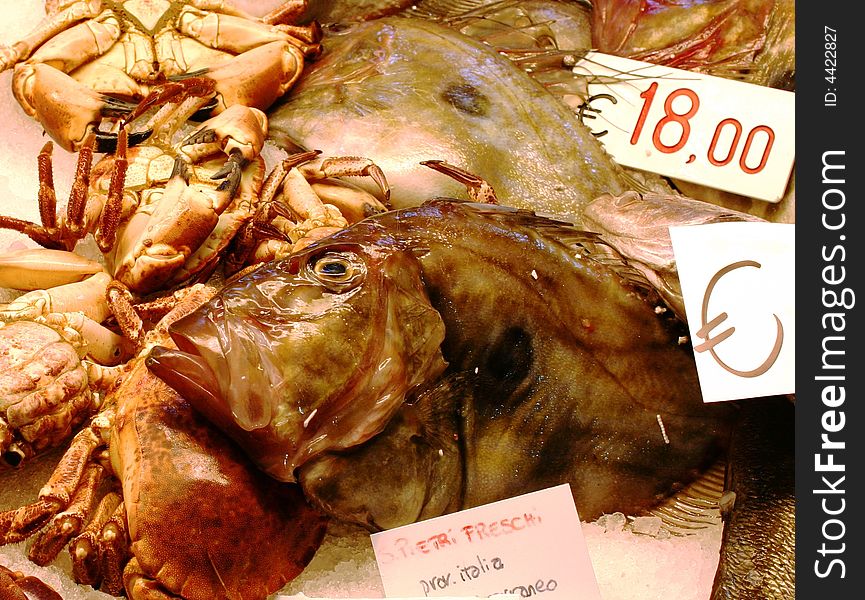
x: 400, y: 91
x: 758, y: 550
x: 441, y: 357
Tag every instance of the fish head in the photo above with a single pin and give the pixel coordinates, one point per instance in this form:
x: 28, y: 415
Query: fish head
x: 312, y: 353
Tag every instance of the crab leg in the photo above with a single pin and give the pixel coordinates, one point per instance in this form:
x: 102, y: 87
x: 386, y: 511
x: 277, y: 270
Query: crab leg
x: 190, y: 87
x: 348, y: 166
x: 56, y: 494
x: 114, y: 550
x: 49, y: 234
x: 78, y: 45
x: 109, y: 219
x: 237, y: 34
x: 69, y: 523
x: 85, y: 549
x: 47, y: 29
x: 478, y: 189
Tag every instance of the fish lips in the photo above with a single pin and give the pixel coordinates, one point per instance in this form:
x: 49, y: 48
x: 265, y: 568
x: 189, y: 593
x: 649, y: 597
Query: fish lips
x: 223, y: 369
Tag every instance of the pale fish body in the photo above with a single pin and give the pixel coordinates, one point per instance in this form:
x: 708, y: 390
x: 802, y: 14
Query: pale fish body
x: 400, y: 91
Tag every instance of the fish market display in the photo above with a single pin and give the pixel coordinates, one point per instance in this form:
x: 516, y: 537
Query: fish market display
x: 477, y: 110
x: 421, y: 361
x: 442, y: 357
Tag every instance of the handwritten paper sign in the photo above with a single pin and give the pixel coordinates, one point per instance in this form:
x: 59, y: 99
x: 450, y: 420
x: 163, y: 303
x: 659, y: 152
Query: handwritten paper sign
x: 304, y: 597
x: 738, y: 287
x: 718, y: 132
x: 530, y: 545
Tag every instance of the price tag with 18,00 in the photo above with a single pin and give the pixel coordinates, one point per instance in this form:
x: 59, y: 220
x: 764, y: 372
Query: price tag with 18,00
x: 725, y: 134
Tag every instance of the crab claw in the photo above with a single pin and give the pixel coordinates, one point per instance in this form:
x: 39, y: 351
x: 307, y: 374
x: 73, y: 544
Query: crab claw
x: 106, y: 143
x: 231, y: 172
x: 238, y: 128
x: 66, y: 109
x: 39, y: 268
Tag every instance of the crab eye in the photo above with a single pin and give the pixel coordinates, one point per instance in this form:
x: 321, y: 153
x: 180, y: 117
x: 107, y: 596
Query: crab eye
x: 338, y: 270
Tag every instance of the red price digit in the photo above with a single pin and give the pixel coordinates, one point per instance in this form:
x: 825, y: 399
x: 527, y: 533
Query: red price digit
x: 738, y: 133
x: 648, y: 96
x: 770, y: 140
x: 749, y: 140
x: 672, y: 117
x: 683, y: 119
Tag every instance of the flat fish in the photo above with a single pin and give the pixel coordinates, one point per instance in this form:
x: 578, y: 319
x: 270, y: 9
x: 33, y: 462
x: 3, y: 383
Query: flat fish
x: 436, y: 358
x: 400, y: 91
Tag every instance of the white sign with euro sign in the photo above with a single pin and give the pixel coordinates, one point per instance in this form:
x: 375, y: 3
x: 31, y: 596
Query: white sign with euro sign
x: 738, y: 288
x: 529, y: 545
x: 726, y: 134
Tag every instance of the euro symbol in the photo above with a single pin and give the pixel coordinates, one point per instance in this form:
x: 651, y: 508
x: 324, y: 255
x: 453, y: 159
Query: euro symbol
x: 708, y: 326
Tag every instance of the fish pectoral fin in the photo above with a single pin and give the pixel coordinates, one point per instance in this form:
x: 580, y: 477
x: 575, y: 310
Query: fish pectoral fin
x: 437, y: 410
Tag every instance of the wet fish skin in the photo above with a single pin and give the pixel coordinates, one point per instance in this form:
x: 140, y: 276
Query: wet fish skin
x: 638, y: 227
x: 758, y: 549
x: 558, y: 369
x: 400, y: 91
x: 751, y: 40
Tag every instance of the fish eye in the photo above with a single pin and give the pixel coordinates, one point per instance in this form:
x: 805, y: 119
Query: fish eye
x: 340, y: 270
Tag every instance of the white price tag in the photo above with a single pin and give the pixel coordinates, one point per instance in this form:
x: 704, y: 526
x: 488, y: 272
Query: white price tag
x: 717, y: 132
x: 529, y: 545
x: 738, y: 287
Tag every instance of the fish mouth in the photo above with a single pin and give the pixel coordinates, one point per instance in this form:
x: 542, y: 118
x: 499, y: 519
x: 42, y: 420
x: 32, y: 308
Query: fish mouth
x: 226, y: 370
x: 188, y: 374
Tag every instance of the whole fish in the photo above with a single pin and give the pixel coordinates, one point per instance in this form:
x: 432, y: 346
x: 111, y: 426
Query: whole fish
x: 400, y: 91
x: 435, y: 358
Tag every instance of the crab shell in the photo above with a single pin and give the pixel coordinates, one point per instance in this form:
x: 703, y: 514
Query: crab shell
x: 44, y: 392
x: 203, y: 521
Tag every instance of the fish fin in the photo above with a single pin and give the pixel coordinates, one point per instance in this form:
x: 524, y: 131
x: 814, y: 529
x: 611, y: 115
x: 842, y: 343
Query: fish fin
x: 437, y: 409
x: 580, y: 244
x: 695, y: 507
x: 286, y: 142
x: 444, y: 9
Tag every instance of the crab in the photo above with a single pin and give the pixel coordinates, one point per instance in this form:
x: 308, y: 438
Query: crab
x: 160, y: 212
x: 49, y: 362
x: 89, y: 59
x: 303, y: 200
x: 57, y: 359
x: 119, y: 498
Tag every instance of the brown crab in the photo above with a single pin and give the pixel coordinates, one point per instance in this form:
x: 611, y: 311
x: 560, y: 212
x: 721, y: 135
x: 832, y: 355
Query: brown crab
x: 160, y: 212
x: 244, y: 536
x: 73, y: 67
